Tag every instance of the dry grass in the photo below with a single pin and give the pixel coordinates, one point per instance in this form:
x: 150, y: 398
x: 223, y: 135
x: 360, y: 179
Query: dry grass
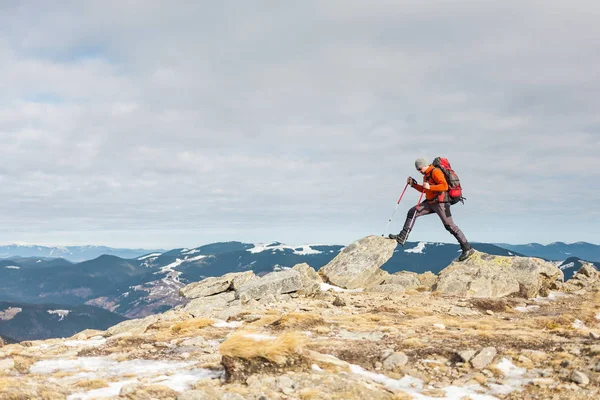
x: 277, y: 350
x: 298, y: 321
x: 362, y: 322
x: 22, y: 364
x: 264, y: 321
x: 91, y: 384
x: 191, y: 325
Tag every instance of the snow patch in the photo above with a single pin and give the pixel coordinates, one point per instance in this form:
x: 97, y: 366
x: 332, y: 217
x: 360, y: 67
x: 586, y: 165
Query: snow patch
x: 316, y: 368
x: 222, y: 324
x: 96, y: 341
x: 300, y: 250
x: 325, y: 287
x: 259, y: 337
x: 12, y: 267
x: 577, y: 324
x: 439, y: 326
x: 527, y: 309
x: 149, y: 255
x: 61, y: 313
x: 567, y: 266
x: 419, y: 249
x: 9, y: 313
x: 192, y: 251
x: 414, y: 386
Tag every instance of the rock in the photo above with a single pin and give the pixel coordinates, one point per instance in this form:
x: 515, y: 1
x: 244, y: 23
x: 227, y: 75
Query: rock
x: 405, y: 279
x: 489, y: 312
x: 215, y: 285
x: 484, y: 358
x: 7, y: 364
x: 462, y: 312
x: 467, y: 355
x: 582, y: 279
x: 387, y: 288
x: 597, y: 367
x: 394, y: 361
x: 311, y: 280
x: 595, y: 350
x: 195, y: 395
x: 594, y: 335
x: 358, y: 265
x: 275, y: 283
x: 371, y: 336
x: 339, y: 302
x: 485, y: 275
x: 535, y: 355
x: 132, y: 327
x: 207, y: 306
x: 428, y: 279
x: 580, y: 378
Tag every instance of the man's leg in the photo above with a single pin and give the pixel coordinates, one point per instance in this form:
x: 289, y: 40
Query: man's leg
x: 421, y: 209
x: 443, y: 210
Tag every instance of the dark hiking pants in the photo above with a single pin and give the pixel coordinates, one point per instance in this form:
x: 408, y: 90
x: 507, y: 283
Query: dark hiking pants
x: 443, y: 211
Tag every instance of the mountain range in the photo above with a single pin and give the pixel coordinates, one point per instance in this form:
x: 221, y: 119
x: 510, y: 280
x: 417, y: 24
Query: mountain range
x: 71, y: 253
x: 147, y: 284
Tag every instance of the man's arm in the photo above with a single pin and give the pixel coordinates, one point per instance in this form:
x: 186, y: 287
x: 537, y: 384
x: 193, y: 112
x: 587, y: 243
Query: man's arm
x: 440, y: 180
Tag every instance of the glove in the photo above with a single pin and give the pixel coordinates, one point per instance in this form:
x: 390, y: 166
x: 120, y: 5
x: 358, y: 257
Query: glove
x: 411, y: 181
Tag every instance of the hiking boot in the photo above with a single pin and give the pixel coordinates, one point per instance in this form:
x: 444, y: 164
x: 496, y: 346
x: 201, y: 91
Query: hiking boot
x: 401, y: 237
x: 467, y: 251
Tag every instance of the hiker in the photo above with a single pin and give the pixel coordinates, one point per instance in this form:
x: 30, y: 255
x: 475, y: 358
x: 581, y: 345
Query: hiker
x: 436, y: 201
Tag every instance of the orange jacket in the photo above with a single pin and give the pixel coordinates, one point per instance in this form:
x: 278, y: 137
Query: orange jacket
x: 437, y: 184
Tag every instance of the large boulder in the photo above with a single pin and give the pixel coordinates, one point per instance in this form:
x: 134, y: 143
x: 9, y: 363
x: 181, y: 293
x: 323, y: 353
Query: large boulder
x: 207, y: 306
x: 311, y: 280
x: 485, y: 275
x: 275, y: 283
x: 586, y: 277
x: 358, y: 265
x: 406, y: 279
x: 215, y: 285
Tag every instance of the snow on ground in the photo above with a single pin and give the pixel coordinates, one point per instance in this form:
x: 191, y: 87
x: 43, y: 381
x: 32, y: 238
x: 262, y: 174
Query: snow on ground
x: 325, y: 287
x: 12, y: 267
x: 61, y: 313
x: 9, y: 313
x: 514, y: 380
x: 527, y: 308
x: 149, y: 255
x: 177, y: 375
x: 551, y: 296
x: 190, y: 252
x: 300, y: 250
x: 419, y: 249
x: 567, y: 266
x: 222, y: 324
x: 577, y: 324
x: 259, y: 337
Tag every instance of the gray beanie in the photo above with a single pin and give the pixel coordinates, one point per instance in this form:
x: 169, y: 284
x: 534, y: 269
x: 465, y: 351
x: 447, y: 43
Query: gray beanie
x: 420, y: 163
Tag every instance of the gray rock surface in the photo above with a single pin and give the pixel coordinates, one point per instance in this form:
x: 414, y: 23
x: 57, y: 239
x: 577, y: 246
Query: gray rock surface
x: 485, y: 275
x: 358, y: 265
x: 406, y: 279
x: 484, y: 358
x: 311, y: 280
x: 394, y: 361
x: 271, y: 284
x: 215, y: 285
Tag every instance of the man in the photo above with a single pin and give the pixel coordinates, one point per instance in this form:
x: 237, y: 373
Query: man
x: 436, y: 194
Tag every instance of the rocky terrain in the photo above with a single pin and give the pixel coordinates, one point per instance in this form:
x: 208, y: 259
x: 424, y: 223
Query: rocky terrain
x: 490, y: 327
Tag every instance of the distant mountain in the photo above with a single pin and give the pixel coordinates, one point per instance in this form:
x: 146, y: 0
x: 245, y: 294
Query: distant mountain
x: 71, y: 253
x: 557, y: 250
x: 150, y: 283
x: 21, y: 321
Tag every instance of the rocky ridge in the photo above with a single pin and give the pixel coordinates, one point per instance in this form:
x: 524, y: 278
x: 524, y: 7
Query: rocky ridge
x: 490, y: 327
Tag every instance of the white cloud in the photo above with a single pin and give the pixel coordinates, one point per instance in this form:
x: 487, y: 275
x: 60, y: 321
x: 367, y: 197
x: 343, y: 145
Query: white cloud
x: 143, y: 123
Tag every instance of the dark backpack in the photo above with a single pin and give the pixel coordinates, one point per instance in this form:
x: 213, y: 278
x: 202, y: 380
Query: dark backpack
x: 454, y: 188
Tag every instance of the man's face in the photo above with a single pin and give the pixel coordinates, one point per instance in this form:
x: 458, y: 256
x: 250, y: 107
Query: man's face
x: 422, y: 170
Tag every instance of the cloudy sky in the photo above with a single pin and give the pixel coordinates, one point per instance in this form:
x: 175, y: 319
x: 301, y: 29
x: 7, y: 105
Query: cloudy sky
x: 172, y: 124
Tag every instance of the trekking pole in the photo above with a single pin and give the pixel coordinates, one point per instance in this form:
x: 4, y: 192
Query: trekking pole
x: 416, y: 210
x: 397, y: 204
